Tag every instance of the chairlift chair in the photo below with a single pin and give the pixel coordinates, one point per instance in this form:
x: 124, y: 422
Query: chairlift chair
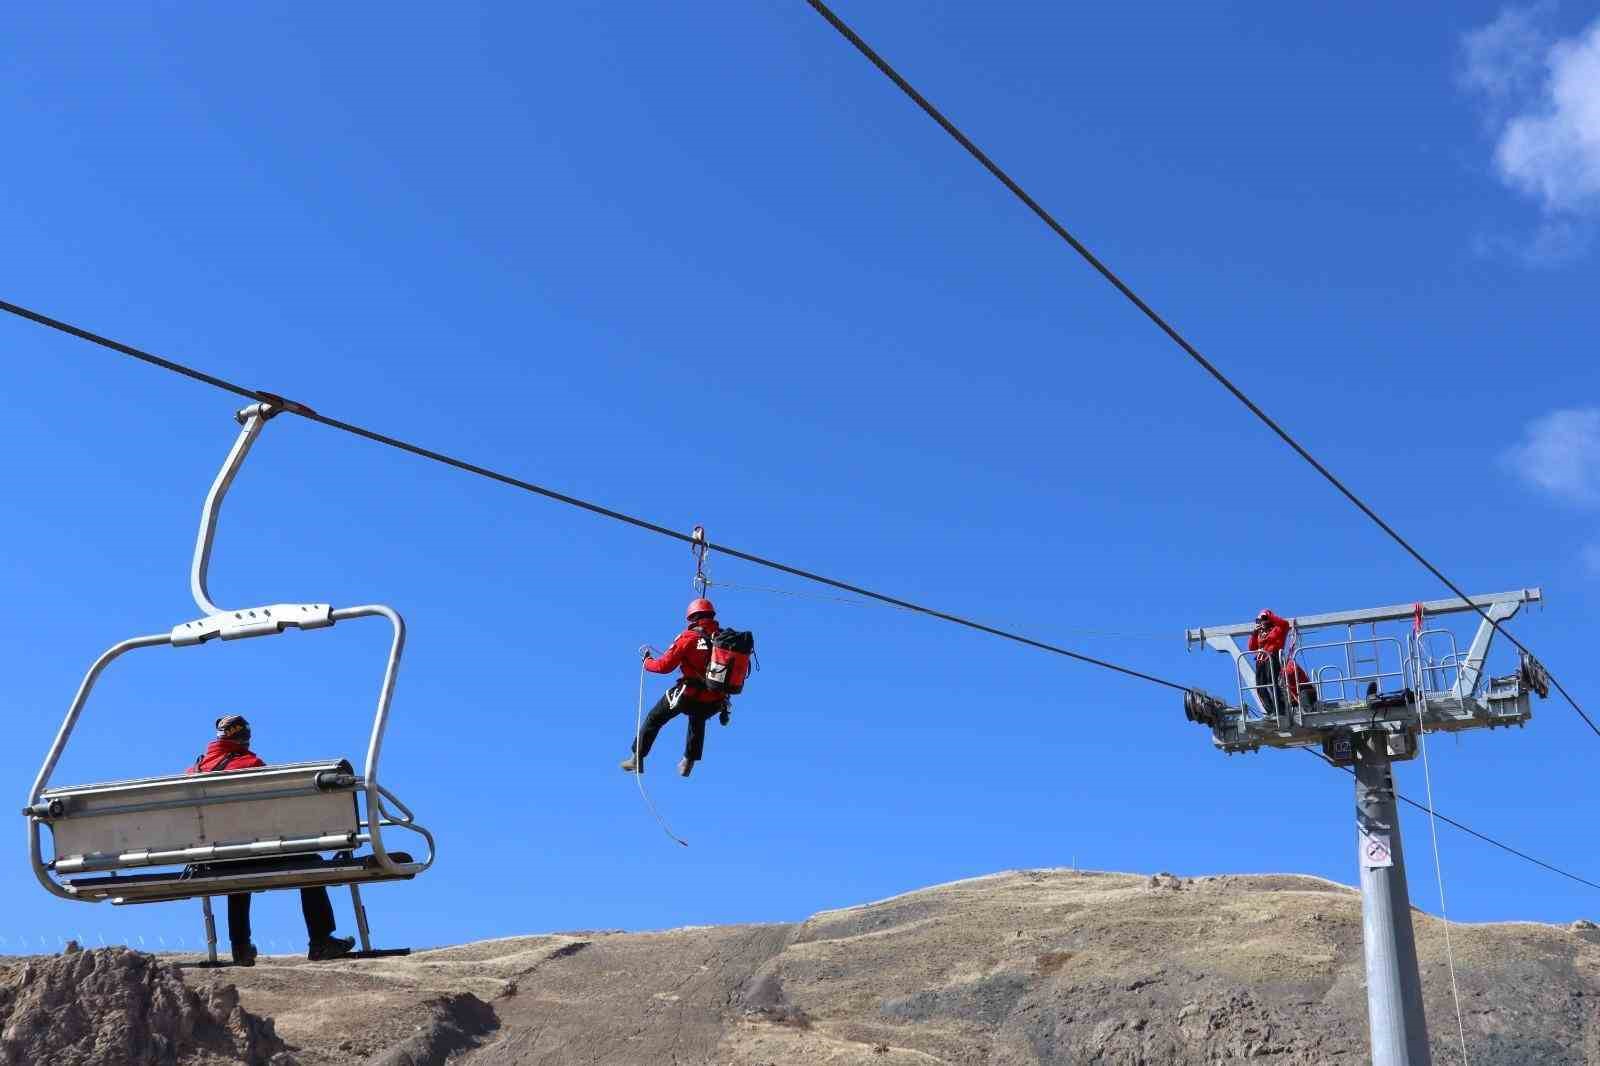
x: 189, y: 836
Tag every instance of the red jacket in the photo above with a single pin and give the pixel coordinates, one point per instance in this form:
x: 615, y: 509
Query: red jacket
x: 1294, y: 676
x: 216, y: 751
x: 1276, y: 637
x: 691, y: 653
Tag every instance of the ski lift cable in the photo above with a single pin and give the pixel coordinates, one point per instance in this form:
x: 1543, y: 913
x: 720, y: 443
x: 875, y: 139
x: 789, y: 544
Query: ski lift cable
x: 306, y: 412
x: 1154, y: 316
x: 853, y: 602
x: 1467, y: 829
x: 291, y: 407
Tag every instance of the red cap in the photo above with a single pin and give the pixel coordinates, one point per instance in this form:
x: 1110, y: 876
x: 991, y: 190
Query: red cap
x: 700, y: 606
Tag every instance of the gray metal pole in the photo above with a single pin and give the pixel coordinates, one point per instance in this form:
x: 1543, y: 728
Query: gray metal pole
x: 1399, y: 1031
x: 211, y: 929
x: 361, y: 917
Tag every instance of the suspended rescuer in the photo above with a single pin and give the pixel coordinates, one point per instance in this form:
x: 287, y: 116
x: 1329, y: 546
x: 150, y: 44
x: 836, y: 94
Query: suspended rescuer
x: 1271, y: 634
x: 689, y: 696
x: 231, y: 751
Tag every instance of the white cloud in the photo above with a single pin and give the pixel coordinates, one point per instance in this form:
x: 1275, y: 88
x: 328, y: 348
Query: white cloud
x: 1543, y: 97
x: 1553, y: 152
x: 1503, y: 58
x: 1560, y: 454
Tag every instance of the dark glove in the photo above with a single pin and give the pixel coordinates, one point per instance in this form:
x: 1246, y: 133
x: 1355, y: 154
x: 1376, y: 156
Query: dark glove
x: 724, y: 717
x: 646, y: 652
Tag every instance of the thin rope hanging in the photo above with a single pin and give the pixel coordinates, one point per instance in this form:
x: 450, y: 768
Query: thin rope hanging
x: 1433, y: 824
x: 638, y: 764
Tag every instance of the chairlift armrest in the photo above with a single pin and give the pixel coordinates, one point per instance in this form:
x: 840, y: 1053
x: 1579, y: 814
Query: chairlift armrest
x: 253, y: 622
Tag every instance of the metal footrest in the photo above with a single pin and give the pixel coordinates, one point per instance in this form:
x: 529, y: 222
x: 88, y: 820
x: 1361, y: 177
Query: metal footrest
x: 221, y: 879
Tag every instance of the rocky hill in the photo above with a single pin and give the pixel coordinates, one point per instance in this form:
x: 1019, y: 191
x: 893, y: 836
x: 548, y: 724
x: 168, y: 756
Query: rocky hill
x: 1043, y: 966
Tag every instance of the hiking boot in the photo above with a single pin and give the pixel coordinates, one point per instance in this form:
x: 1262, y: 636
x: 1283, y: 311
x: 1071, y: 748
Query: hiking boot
x: 245, y: 954
x: 685, y: 767
x: 632, y: 765
x: 334, y: 947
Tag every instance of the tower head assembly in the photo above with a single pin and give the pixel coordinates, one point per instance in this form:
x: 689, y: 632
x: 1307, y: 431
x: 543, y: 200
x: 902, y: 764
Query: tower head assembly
x: 1326, y: 680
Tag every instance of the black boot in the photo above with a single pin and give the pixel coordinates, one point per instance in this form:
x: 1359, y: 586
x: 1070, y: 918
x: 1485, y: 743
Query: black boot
x: 334, y: 947
x: 244, y: 954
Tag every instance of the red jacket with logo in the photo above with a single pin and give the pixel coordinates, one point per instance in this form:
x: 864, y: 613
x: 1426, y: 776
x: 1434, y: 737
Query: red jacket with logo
x: 242, y: 758
x: 691, y: 653
x: 1276, y: 637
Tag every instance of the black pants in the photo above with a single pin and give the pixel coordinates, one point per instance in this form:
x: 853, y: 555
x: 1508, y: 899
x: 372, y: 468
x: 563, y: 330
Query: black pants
x: 314, y: 904
x: 1269, y: 673
x: 698, y: 713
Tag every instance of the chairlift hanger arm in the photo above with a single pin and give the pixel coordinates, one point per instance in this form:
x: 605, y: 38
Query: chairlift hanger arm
x: 251, y: 420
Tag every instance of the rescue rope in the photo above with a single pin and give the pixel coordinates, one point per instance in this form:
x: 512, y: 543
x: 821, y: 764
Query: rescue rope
x: 1433, y: 828
x: 638, y: 764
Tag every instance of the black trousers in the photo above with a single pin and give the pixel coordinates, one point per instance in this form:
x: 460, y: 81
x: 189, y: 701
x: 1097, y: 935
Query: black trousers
x: 698, y: 713
x: 1269, y: 672
x: 314, y: 905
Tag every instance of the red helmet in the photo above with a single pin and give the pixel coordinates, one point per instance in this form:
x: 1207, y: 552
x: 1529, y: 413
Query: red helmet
x: 699, y: 607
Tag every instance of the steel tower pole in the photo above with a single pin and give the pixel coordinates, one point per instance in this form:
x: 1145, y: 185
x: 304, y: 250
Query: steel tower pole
x: 1399, y: 1031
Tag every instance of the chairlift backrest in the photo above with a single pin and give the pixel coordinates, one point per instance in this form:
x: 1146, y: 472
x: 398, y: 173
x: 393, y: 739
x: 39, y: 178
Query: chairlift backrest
x: 184, y: 818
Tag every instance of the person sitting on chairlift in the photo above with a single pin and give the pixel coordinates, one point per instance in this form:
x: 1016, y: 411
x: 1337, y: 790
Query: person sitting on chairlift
x: 231, y: 751
x: 690, y: 697
x: 1270, y: 635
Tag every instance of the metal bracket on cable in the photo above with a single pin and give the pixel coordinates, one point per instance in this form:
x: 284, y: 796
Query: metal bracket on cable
x: 273, y: 404
x: 701, y: 548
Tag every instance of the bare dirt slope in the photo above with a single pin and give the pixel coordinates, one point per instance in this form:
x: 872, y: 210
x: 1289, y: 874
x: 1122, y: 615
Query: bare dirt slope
x: 1047, y: 966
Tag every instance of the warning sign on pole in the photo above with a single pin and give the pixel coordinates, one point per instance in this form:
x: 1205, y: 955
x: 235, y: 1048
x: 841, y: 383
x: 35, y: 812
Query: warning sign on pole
x: 1376, y: 851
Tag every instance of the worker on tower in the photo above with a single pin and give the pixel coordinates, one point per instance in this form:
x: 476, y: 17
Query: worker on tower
x: 1270, y: 635
x: 231, y: 751
x: 689, y: 696
x: 1302, y: 692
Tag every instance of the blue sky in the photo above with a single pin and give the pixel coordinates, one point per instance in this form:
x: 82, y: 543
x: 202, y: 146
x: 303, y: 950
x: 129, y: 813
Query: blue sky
x: 705, y: 265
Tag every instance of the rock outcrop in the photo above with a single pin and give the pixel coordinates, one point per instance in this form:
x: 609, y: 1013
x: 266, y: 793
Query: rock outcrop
x: 112, y: 1006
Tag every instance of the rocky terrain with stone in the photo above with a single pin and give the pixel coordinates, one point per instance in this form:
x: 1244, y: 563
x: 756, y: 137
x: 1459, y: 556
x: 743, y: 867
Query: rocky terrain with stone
x: 1039, y: 966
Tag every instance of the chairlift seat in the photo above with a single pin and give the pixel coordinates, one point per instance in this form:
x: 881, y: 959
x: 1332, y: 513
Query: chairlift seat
x: 235, y: 831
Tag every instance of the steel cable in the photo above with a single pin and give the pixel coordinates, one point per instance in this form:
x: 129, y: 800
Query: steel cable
x: 515, y: 482
x: 1177, y: 338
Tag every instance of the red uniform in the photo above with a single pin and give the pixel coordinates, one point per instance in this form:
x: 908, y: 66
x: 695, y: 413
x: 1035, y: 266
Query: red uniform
x: 225, y: 755
x: 1276, y: 636
x: 1294, y: 676
x: 691, y: 653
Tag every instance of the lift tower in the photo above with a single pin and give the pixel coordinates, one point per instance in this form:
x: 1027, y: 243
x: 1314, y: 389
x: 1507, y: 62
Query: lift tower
x: 1360, y: 688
